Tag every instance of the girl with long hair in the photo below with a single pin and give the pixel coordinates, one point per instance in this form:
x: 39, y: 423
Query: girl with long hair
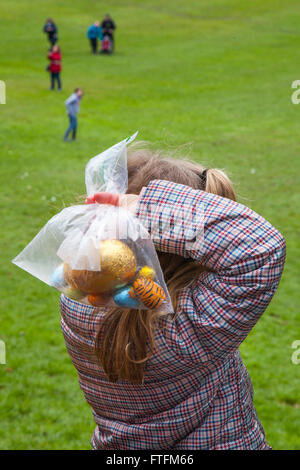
x: 177, y: 381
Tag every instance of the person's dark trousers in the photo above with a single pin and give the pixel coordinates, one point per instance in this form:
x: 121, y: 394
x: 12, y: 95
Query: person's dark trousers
x: 72, y: 127
x: 52, y: 39
x: 94, y: 44
x: 55, y: 77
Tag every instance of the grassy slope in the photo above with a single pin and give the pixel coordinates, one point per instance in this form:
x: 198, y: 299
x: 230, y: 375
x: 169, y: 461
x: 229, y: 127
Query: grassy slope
x: 216, y: 75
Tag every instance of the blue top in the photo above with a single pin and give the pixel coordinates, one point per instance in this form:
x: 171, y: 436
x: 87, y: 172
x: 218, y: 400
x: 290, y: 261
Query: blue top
x: 94, y: 32
x: 72, y: 104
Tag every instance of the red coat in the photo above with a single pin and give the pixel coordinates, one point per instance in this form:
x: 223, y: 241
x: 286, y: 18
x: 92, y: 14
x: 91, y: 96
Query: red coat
x: 55, y: 64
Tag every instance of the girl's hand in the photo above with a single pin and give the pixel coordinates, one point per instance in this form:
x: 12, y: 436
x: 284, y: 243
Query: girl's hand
x: 127, y: 201
x: 103, y: 198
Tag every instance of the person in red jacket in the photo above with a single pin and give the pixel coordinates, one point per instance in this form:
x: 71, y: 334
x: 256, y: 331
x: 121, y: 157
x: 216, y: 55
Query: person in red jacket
x: 55, y: 67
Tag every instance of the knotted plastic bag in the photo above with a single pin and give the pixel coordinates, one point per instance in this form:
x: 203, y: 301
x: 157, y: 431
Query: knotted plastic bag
x: 99, y: 254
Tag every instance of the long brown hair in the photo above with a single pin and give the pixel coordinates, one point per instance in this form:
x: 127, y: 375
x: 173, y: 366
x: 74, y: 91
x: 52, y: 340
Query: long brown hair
x: 125, y: 339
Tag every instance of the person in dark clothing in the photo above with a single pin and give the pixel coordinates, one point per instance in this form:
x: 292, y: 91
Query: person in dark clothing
x: 50, y: 28
x: 55, y: 67
x: 108, y: 27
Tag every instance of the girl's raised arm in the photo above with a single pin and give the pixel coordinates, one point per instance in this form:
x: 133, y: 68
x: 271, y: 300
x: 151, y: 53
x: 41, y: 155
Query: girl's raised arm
x: 243, y: 253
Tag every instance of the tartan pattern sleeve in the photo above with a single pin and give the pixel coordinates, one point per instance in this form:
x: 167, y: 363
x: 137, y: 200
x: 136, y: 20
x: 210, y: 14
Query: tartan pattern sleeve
x: 243, y: 253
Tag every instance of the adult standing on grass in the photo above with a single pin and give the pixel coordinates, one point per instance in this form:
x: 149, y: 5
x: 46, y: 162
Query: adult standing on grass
x: 72, y: 105
x: 94, y: 33
x: 178, y: 381
x: 55, y: 67
x: 50, y: 28
x: 108, y: 27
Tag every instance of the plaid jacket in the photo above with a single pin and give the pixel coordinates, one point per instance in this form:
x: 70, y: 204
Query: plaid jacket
x: 197, y: 393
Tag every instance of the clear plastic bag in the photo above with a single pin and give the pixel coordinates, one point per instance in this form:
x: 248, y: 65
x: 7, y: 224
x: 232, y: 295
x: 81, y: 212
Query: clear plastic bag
x: 99, y: 254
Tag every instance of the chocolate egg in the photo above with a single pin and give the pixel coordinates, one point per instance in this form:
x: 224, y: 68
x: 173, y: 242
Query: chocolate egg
x: 123, y: 299
x: 57, y: 278
x: 147, y: 272
x: 98, y: 300
x: 74, y: 293
x: 148, y: 292
x: 118, y: 267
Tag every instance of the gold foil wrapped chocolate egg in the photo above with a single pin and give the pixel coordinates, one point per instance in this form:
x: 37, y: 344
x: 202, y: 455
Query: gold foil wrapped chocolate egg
x: 148, y: 292
x: 147, y: 272
x: 118, y: 267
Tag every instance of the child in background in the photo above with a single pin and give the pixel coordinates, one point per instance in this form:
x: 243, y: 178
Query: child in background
x: 55, y: 67
x: 178, y: 381
x: 72, y: 105
x: 94, y: 33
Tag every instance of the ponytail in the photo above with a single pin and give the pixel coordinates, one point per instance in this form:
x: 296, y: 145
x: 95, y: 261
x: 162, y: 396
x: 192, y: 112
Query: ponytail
x: 217, y: 182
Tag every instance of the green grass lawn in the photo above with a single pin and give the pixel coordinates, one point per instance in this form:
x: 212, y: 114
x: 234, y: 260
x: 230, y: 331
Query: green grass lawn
x: 215, y: 75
